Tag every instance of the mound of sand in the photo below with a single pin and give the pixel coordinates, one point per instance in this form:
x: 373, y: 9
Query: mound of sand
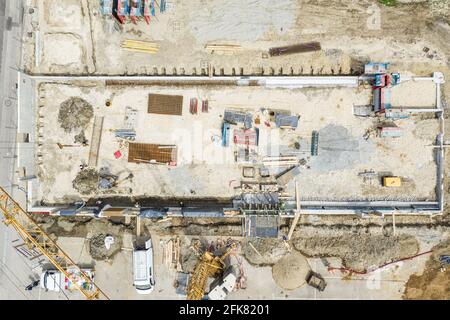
x: 290, y: 271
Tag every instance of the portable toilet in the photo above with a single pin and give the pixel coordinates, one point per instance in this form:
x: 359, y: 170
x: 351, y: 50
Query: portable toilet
x: 390, y: 132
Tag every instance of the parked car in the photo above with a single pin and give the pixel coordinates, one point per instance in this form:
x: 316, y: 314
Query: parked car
x: 143, y: 272
x: 55, y: 280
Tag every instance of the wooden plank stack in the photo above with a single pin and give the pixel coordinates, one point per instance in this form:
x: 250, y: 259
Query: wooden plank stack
x: 171, y: 254
x: 140, y: 46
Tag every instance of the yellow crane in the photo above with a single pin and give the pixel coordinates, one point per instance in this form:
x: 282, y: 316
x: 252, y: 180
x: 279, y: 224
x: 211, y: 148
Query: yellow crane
x: 208, y: 266
x: 36, y: 238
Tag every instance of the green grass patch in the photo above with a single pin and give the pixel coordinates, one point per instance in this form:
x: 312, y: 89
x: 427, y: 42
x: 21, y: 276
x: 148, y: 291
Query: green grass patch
x: 389, y: 3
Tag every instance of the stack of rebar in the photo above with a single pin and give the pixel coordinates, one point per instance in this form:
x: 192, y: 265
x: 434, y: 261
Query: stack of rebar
x: 140, y: 46
x: 297, y: 48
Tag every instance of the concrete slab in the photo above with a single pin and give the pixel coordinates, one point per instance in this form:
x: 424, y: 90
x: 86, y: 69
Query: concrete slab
x: 205, y: 168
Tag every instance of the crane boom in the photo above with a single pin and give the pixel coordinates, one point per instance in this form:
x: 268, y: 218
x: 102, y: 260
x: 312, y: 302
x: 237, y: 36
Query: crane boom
x: 208, y: 266
x: 35, y: 237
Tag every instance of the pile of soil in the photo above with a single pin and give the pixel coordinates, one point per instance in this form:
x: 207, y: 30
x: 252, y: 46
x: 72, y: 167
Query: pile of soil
x: 189, y: 256
x: 75, y: 113
x: 290, y: 271
x: 271, y: 251
x: 358, y: 251
x: 434, y: 282
x: 80, y: 138
x: 97, y: 248
x: 86, y: 181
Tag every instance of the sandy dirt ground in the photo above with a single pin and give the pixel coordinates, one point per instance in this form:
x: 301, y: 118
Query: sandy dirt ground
x: 434, y: 282
x: 345, y: 29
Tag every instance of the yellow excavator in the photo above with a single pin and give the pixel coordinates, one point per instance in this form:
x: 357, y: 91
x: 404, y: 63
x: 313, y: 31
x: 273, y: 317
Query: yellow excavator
x: 208, y: 266
x: 36, y: 238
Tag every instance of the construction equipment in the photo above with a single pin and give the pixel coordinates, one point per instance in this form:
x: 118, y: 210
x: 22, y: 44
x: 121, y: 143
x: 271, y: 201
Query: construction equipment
x: 37, y: 239
x: 315, y: 143
x: 281, y: 161
x: 193, y: 107
x: 444, y: 260
x: 390, y: 131
x: 171, y: 254
x: 208, y: 266
x: 135, y: 10
x: 62, y: 146
x: 223, y: 285
x: 205, y: 106
x: 382, y: 82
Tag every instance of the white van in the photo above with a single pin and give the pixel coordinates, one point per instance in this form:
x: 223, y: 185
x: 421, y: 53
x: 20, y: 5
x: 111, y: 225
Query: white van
x: 143, y: 268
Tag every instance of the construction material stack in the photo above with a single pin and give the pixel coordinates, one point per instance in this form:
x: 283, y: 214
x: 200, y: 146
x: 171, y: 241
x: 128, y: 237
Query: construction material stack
x: 131, y: 10
x: 140, y: 46
x: 382, y: 82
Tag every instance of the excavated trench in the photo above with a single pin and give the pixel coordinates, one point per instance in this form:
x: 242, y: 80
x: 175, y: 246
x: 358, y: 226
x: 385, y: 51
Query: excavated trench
x: 158, y: 202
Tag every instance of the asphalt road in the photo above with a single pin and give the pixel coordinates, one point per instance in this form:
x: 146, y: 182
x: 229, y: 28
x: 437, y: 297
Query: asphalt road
x: 2, y: 28
x: 16, y: 271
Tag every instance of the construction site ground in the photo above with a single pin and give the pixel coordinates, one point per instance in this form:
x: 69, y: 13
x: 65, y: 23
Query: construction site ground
x: 259, y: 258
x: 71, y: 38
x: 92, y: 43
x: 206, y: 169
